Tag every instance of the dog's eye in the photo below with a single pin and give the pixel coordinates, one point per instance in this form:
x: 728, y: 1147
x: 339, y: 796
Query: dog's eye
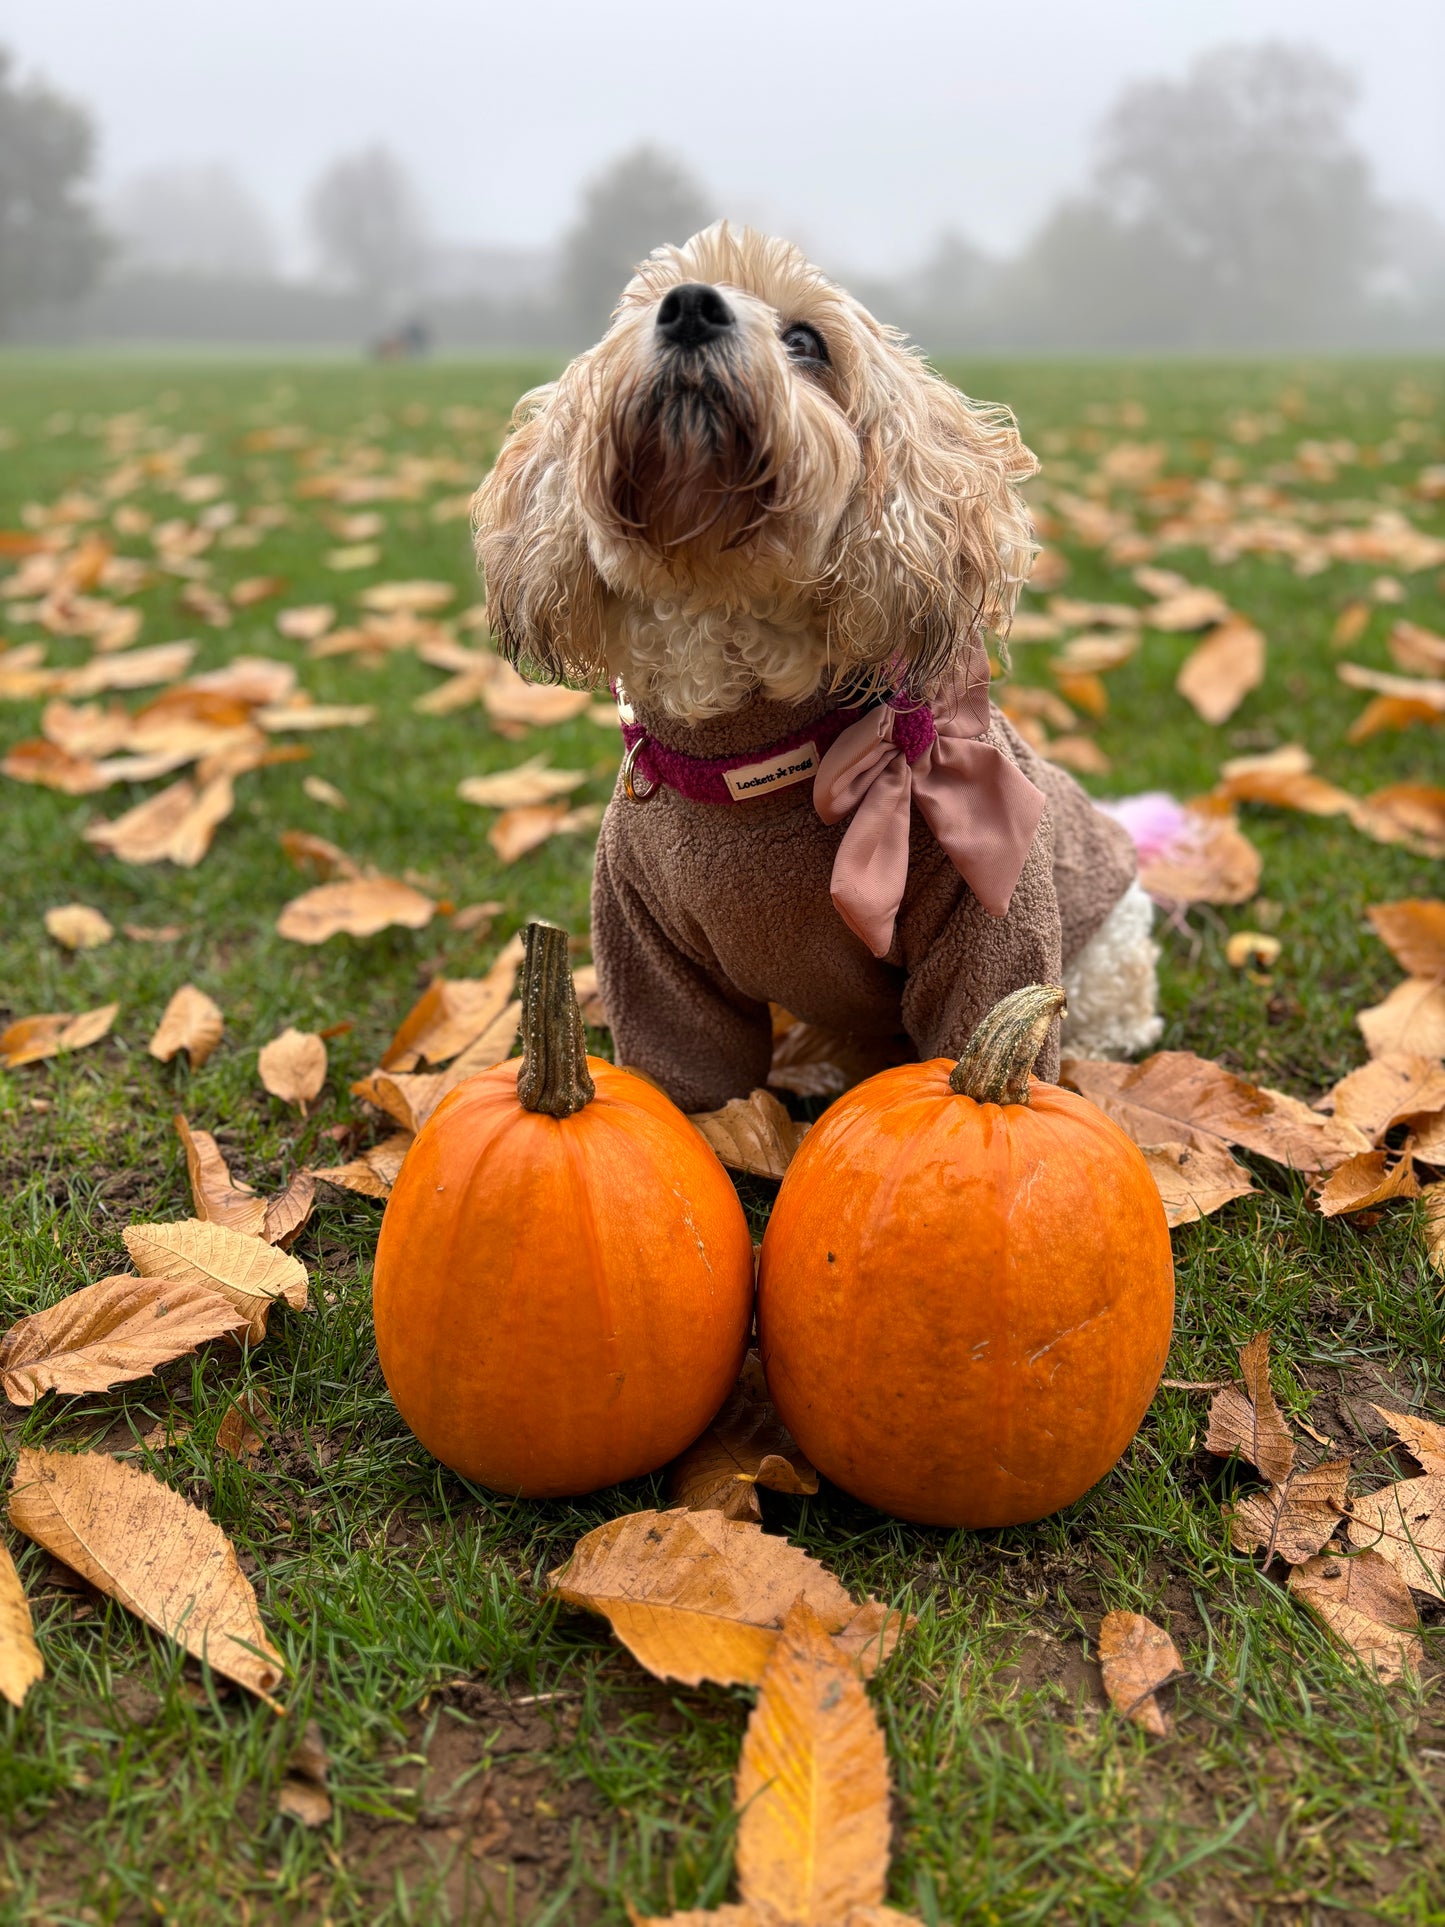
x: 805, y: 344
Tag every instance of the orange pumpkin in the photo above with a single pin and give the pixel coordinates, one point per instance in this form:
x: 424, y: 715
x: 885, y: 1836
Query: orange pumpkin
x: 966, y: 1288
x: 564, y: 1280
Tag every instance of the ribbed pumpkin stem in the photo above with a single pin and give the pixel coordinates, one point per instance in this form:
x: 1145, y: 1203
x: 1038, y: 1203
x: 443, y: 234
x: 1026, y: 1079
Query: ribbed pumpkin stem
x: 554, y: 1077
x: 995, y: 1066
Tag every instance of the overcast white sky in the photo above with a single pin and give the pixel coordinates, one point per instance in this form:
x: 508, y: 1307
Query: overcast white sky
x: 861, y: 127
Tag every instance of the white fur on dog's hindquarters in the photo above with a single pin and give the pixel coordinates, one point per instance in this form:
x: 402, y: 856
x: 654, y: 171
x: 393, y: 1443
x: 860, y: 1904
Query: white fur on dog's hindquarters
x: 1112, y: 986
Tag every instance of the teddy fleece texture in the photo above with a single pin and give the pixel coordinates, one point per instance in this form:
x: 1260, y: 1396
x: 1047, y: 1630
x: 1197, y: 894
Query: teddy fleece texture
x: 703, y: 913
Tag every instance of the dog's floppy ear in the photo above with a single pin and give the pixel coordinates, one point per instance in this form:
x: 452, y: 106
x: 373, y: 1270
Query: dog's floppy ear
x: 937, y: 543
x: 544, y: 597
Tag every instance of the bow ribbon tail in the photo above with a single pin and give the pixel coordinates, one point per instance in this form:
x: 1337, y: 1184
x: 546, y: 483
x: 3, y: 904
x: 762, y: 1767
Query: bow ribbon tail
x: 984, y: 811
x: 870, y: 869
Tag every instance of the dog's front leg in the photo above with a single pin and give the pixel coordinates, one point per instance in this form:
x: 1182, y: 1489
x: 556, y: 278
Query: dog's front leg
x: 961, y: 960
x: 673, y: 1015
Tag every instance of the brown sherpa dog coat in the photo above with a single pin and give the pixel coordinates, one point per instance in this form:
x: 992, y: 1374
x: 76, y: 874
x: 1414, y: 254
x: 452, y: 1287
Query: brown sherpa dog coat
x: 749, y: 508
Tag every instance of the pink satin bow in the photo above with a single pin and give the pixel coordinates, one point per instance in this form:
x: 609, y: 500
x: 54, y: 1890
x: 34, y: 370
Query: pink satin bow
x: 980, y: 806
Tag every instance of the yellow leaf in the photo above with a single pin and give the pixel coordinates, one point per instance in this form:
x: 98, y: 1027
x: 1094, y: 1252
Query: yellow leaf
x: 1371, y: 1177
x: 1414, y: 932
x: 132, y: 669
x: 1216, y: 676
x: 77, y: 927
x: 192, y: 1023
x: 695, y: 1596
x: 1387, y: 1090
x: 359, y: 907
x: 293, y: 1066
x: 139, y: 1542
x: 218, y: 1197
x: 108, y: 1333
x: 176, y: 825
x: 20, y: 1662
x: 29, y: 1039
x: 1423, y: 1436
x: 753, y: 1134
x: 1194, y: 1181
x: 812, y: 1785
x: 452, y: 1013
x: 244, y: 1269
x: 1412, y: 1018
x: 1249, y: 948
x: 1136, y: 1658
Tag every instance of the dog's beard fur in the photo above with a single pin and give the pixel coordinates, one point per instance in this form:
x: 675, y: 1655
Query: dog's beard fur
x: 710, y: 524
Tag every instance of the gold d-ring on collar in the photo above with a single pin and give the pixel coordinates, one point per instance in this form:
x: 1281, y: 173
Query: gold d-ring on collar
x: 629, y: 764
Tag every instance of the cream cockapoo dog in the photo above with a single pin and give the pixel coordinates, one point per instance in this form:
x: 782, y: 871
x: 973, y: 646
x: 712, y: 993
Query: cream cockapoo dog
x: 785, y: 543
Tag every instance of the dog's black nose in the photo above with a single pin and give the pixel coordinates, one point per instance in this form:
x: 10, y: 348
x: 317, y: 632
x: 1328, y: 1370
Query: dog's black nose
x: 693, y: 314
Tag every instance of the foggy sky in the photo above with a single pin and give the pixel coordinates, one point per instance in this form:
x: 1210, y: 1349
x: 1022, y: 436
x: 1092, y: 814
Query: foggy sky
x: 860, y: 127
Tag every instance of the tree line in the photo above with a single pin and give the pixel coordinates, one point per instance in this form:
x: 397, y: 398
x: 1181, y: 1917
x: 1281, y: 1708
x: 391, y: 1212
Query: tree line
x: 1227, y: 209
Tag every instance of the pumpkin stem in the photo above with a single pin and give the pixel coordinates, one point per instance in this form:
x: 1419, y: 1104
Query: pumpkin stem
x: 554, y: 1077
x: 995, y: 1065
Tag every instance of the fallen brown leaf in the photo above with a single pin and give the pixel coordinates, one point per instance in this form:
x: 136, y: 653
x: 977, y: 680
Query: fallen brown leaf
x: 320, y: 791
x: 293, y: 1066
x: 1248, y: 1421
x: 359, y: 908
x: 1413, y: 930
x: 1350, y: 624
x: 317, y: 856
x: 1137, y: 1658
x: 1194, y: 1180
x: 1215, y: 677
x: 20, y: 1662
x: 527, y: 783
x: 242, y: 1432
x: 303, y: 1792
x: 29, y: 1039
x: 1175, y: 1097
x: 244, y: 1269
x: 1411, y: 689
x: 1095, y: 654
x: 515, y: 832
x: 510, y: 699
x: 1432, y: 1217
x: 1190, y: 608
x: 218, y: 1197
x: 277, y: 717
x: 176, y: 825
x: 1412, y: 814
x: 108, y: 1333
x: 415, y: 597
x: 695, y: 1596
x: 1369, y: 1178
x: 1389, y: 713
x: 1285, y: 789
x: 1415, y: 650
x: 812, y: 1061
x: 153, y: 933
x: 191, y: 1022
x: 1212, y: 861
x: 1363, y: 1603
x: 287, y: 1213
x: 131, y: 669
x: 52, y: 768
x: 306, y: 622
x: 1388, y: 1089
x: 76, y: 926
x: 747, y: 1445
x: 375, y: 1171
x: 1425, y: 1439
x: 1405, y: 1524
x: 753, y: 1134
x: 139, y: 1542
x: 1412, y: 1018
x: 1293, y: 1519
x: 1079, y: 753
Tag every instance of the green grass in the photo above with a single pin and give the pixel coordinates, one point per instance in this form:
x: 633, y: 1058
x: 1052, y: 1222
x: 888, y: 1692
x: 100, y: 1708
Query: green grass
x: 131, y: 1787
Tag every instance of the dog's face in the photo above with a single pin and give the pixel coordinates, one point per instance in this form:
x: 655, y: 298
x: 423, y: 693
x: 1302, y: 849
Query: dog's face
x: 749, y: 483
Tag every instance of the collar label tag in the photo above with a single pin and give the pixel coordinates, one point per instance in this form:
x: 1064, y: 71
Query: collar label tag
x: 776, y: 773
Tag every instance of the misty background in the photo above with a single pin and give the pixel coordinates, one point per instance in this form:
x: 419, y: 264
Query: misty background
x: 1125, y: 177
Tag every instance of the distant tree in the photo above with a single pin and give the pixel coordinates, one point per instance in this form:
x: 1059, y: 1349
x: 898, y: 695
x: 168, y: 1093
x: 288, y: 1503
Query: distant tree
x: 194, y: 220
x: 638, y: 201
x: 370, y: 231
x: 1246, y: 184
x: 51, y: 247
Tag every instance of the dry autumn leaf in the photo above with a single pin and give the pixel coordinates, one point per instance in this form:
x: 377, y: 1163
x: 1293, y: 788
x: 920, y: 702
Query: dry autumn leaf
x: 29, y: 1039
x: 1411, y: 814
x: 1405, y: 1524
x: 531, y: 782
x: 1295, y: 1519
x: 1384, y: 1092
x: 320, y: 791
x: 695, y: 1596
x: 1175, y: 1097
x: 243, y: 1268
x: 131, y: 669
x: 747, y: 1445
x: 452, y: 1013
x: 1411, y: 689
x: 191, y: 1022
x: 139, y: 1542
x: 511, y: 699
x: 1432, y: 1218
x: 108, y: 1333
x: 306, y: 622
x: 515, y: 832
x: 375, y: 1171
x: 75, y: 926
x: 52, y: 768
x: 1189, y: 608
x: 1424, y: 1438
x: 753, y: 1134
x: 1248, y: 1421
x: 286, y: 1214
x: 176, y: 825
x: 1412, y: 1018
x: 20, y: 1662
x: 358, y: 908
x: 317, y: 856
x: 218, y: 1197
x: 1194, y: 1180
x: 242, y: 1432
x: 1216, y: 676
x: 1392, y: 713
x: 1365, y: 1605
x: 1371, y: 1177
x: 1414, y: 932
x: 303, y: 1793
x: 293, y: 1066
x: 1137, y: 1658
x: 1210, y: 861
